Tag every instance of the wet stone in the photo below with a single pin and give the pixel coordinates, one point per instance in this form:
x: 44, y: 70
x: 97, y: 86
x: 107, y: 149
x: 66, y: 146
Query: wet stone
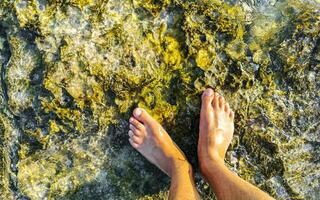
x: 73, y: 71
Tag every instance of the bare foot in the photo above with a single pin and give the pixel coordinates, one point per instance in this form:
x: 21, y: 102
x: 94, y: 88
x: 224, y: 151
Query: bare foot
x: 216, y: 128
x: 153, y: 142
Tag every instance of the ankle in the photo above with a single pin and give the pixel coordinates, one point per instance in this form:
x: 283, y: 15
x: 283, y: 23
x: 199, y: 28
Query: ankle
x: 210, y: 163
x: 180, y: 167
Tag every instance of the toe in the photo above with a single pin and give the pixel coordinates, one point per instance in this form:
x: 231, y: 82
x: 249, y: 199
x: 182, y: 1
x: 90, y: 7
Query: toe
x: 135, y: 131
x: 227, y: 108
x: 207, y: 98
x: 133, y: 144
x: 136, y: 139
x: 136, y: 123
x: 130, y: 133
x: 138, y: 133
x: 206, y: 106
x: 221, y: 102
x: 216, y: 100
x: 132, y: 127
x: 142, y: 115
x: 231, y: 115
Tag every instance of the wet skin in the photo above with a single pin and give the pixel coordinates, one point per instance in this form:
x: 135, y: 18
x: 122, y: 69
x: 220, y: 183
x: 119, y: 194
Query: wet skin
x: 215, y: 134
x: 149, y: 138
x: 154, y: 143
x: 216, y: 129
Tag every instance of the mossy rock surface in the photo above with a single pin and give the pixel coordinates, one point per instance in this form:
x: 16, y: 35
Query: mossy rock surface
x: 72, y: 71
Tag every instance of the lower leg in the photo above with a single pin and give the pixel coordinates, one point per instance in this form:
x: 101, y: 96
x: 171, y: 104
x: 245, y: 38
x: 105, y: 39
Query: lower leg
x: 227, y: 185
x: 182, y: 184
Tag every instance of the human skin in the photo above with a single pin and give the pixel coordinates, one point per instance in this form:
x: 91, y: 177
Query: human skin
x: 215, y: 134
x: 149, y: 138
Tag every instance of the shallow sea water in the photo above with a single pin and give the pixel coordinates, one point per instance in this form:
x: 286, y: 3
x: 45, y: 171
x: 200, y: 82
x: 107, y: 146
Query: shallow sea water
x: 72, y: 71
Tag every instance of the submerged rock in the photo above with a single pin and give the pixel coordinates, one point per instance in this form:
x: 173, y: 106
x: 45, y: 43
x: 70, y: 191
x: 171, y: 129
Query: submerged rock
x: 73, y: 71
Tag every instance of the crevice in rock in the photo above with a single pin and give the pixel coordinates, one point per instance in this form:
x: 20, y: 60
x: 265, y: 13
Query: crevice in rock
x: 12, y: 145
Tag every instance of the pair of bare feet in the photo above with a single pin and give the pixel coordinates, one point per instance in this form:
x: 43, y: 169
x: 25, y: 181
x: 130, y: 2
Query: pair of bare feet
x: 215, y: 134
x: 155, y: 144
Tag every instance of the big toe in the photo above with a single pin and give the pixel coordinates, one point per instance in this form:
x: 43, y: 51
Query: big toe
x: 142, y: 115
x: 206, y: 105
x: 207, y: 97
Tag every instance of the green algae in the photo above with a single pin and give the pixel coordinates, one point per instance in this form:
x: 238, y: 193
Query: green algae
x: 72, y: 72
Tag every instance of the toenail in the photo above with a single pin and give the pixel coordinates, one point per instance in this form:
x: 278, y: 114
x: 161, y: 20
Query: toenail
x: 130, y: 133
x: 137, y: 112
x: 208, y: 92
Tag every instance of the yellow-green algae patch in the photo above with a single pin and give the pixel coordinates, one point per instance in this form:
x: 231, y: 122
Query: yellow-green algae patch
x: 73, y: 71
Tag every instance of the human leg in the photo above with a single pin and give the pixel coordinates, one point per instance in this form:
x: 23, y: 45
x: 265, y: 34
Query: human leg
x: 215, y: 135
x: 149, y: 138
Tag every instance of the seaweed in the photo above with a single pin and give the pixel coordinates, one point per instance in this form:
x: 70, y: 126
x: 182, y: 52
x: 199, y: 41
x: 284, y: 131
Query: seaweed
x: 73, y: 71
